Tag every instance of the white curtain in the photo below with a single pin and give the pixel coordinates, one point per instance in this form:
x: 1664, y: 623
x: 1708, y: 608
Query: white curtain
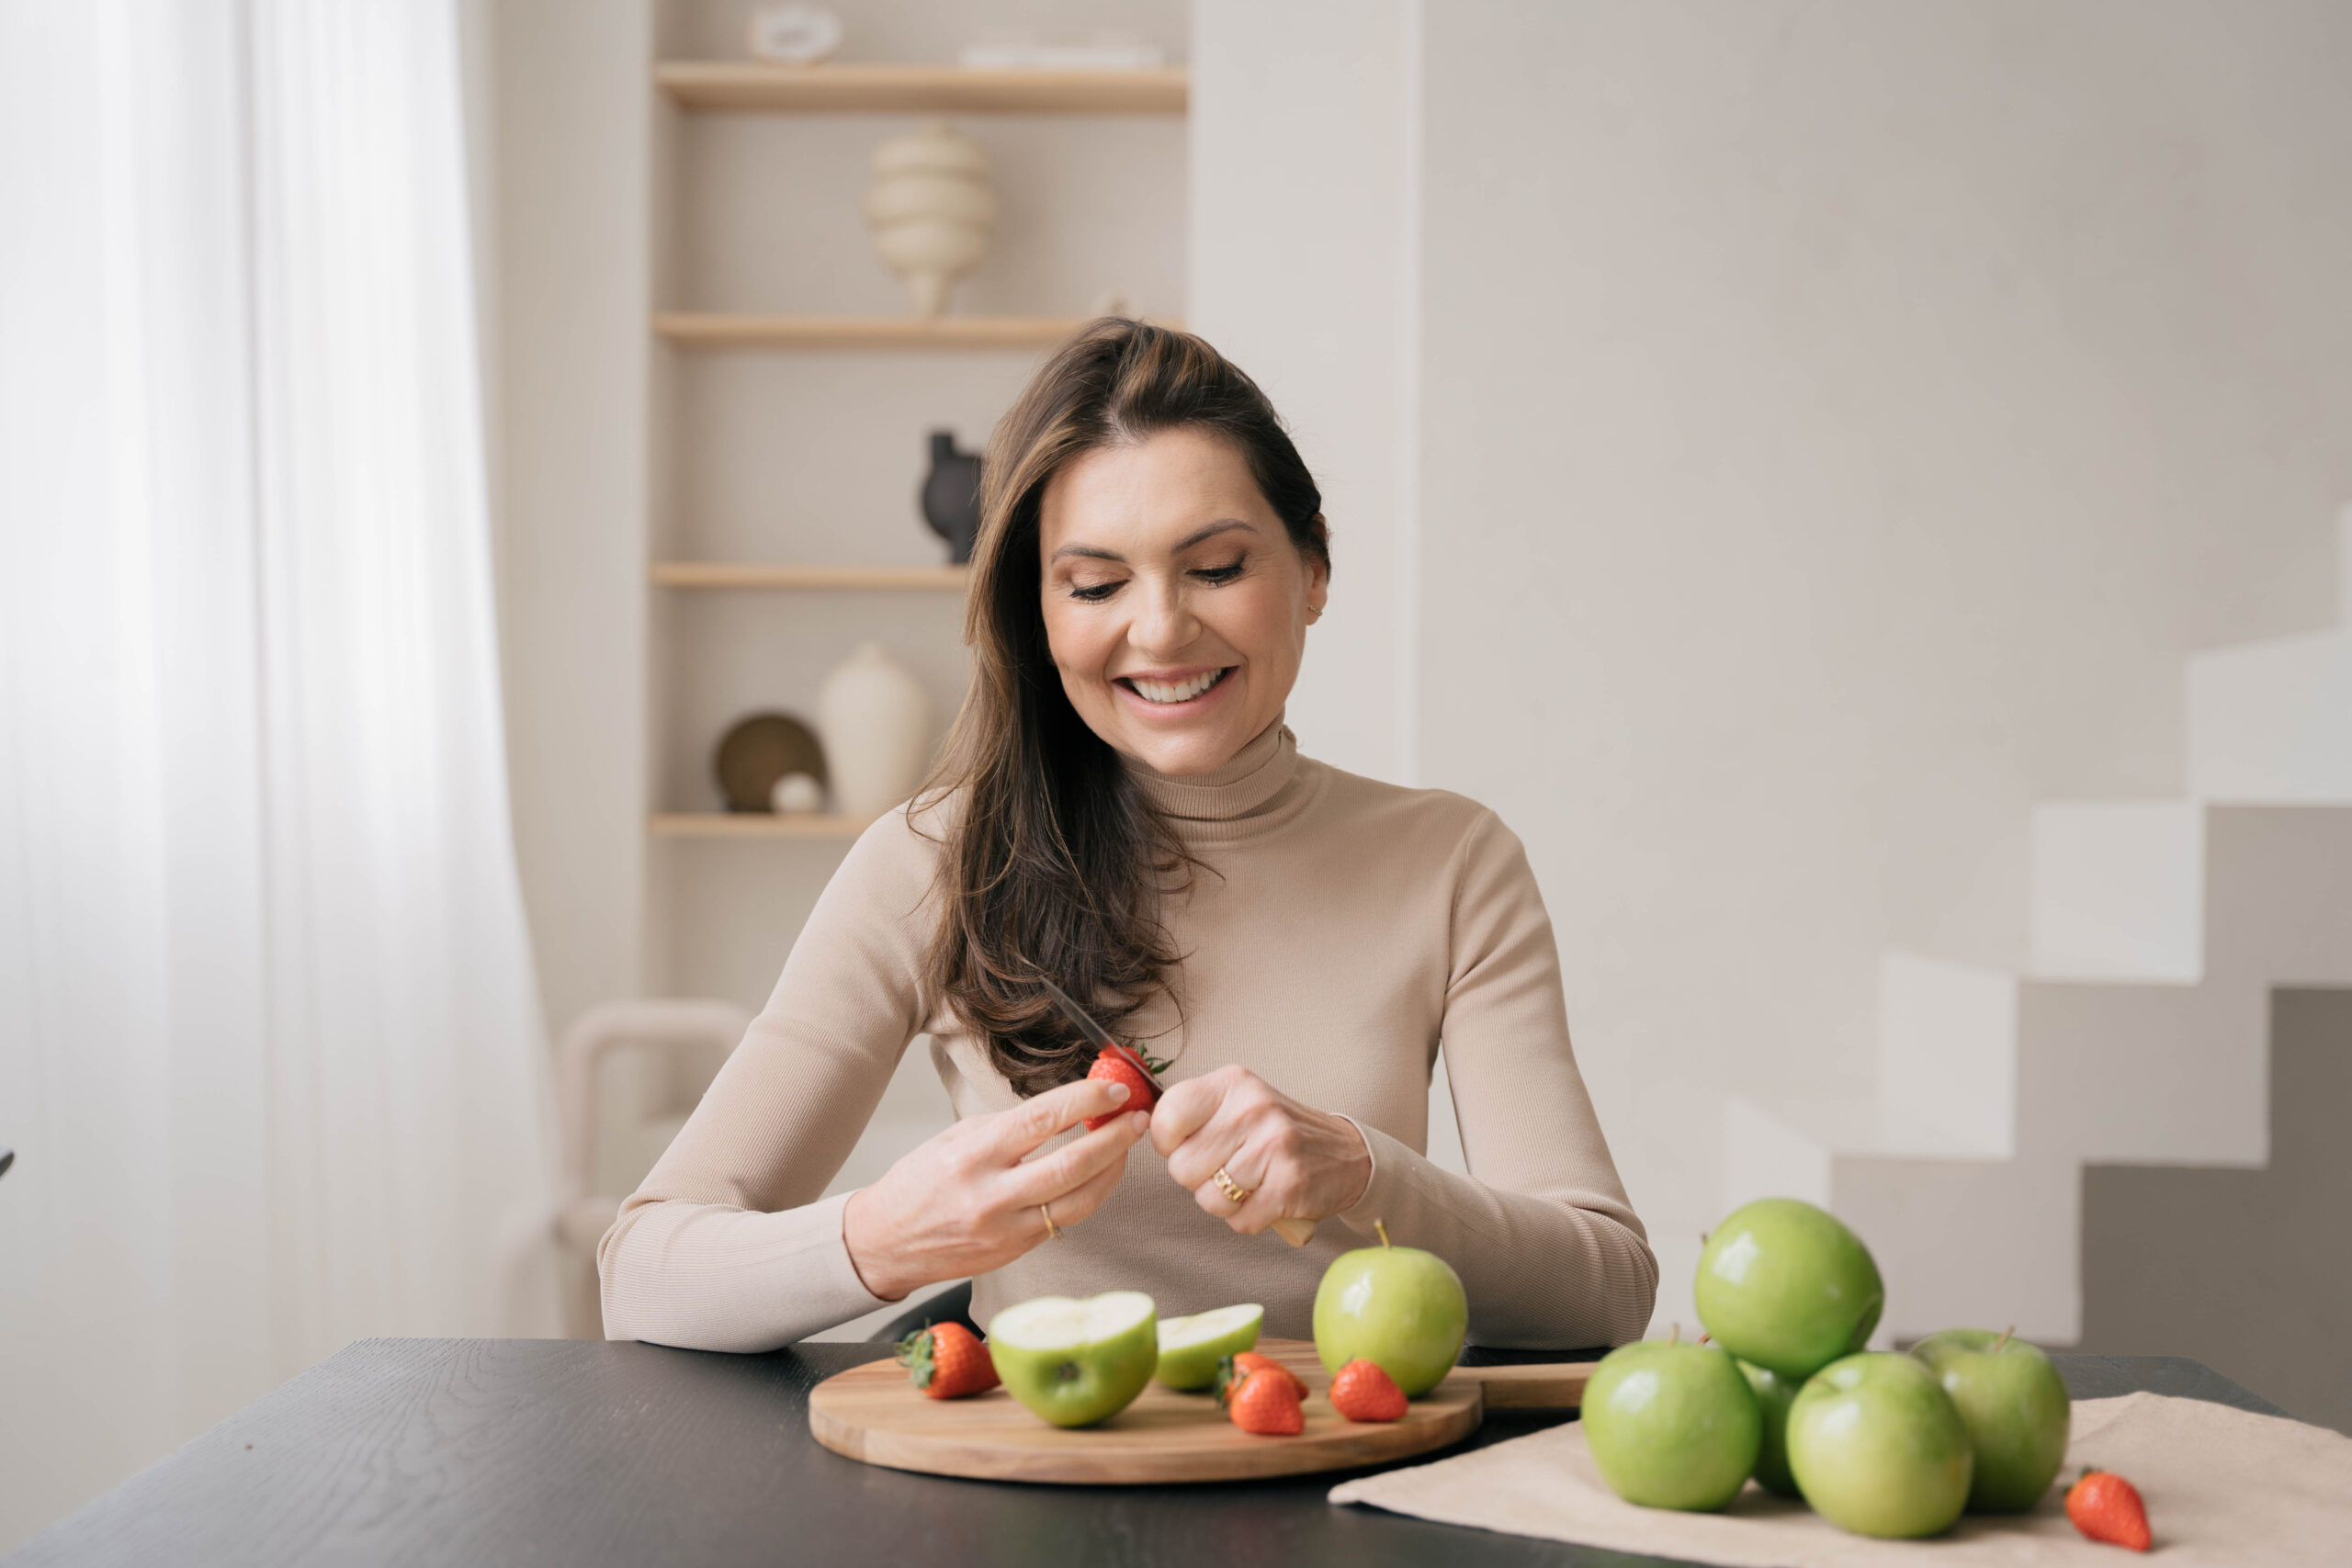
x: 269, y: 1049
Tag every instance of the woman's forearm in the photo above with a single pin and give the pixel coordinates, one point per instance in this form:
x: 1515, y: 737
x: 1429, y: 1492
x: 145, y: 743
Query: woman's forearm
x: 712, y: 1277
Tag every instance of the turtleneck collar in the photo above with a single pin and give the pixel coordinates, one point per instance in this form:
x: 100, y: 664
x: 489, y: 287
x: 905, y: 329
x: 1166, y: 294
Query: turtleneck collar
x: 1263, y: 786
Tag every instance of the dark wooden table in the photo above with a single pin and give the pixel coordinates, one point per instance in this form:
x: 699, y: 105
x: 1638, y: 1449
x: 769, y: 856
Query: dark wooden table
x: 516, y: 1451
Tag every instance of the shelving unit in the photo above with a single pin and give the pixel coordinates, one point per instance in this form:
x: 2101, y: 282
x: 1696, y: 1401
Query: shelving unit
x: 699, y: 329
x: 788, y: 408
x: 779, y: 575
x: 744, y: 87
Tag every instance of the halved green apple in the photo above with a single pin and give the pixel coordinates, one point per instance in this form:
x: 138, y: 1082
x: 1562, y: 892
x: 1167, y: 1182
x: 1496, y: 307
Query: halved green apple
x: 1190, y: 1348
x: 1076, y: 1362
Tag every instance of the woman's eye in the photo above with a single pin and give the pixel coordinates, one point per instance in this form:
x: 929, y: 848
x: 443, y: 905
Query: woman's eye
x: 1092, y: 593
x: 1219, y: 574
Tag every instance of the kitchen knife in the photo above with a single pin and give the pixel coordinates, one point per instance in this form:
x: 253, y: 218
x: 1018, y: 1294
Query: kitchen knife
x: 1299, y: 1233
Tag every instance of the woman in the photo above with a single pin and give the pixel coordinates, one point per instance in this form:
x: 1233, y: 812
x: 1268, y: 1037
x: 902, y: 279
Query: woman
x: 1121, y: 810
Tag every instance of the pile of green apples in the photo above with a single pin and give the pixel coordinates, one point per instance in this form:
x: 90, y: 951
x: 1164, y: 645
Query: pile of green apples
x: 1076, y: 1363
x: 1880, y: 1444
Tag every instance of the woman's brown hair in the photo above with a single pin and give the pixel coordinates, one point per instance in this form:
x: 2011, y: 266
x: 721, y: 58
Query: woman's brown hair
x: 1055, y: 862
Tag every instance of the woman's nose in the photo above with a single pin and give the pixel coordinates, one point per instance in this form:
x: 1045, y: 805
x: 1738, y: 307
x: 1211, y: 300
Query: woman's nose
x: 1166, y: 626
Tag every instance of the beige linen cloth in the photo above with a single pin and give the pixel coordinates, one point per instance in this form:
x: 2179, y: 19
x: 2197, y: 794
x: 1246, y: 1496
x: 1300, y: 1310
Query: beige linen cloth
x: 2222, y: 1485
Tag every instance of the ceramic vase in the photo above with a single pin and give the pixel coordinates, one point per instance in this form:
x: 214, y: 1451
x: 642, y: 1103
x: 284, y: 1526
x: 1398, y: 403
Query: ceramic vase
x: 876, y: 725
x: 931, y: 209
x: 951, y: 495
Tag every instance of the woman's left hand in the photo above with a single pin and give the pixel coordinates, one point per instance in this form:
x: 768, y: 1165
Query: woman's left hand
x: 1291, y: 1160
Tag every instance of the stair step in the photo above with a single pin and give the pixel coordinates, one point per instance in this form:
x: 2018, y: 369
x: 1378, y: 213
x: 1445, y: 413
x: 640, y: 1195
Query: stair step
x: 2271, y: 723
x: 2119, y: 891
x: 1948, y: 1056
x: 2155, y: 1071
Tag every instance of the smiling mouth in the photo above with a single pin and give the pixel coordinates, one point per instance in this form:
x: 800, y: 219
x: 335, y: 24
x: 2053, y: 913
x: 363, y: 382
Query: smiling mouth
x: 1168, y: 693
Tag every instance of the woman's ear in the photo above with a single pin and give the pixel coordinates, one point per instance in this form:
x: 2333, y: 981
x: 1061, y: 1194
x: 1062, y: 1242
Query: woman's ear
x: 1318, y: 588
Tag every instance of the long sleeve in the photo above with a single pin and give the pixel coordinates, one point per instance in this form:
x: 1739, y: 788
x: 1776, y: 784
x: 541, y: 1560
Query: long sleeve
x: 1541, y: 1231
x: 727, y: 1245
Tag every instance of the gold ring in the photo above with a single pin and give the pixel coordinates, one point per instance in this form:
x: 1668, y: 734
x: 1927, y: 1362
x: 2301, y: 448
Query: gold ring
x: 1234, y: 1190
x: 1052, y: 1229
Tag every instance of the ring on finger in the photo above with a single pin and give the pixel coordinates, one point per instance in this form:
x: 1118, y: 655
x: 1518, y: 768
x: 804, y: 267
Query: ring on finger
x: 1234, y: 1191
x: 1052, y: 1230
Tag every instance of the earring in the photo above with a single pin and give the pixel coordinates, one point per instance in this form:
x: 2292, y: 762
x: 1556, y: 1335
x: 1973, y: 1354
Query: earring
x: 1314, y: 613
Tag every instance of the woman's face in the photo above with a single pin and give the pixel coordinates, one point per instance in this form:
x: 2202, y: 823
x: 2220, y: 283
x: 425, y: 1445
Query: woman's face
x: 1175, y: 604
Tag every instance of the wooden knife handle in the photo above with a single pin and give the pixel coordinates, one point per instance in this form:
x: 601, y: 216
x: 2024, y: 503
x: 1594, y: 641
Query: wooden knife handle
x: 1548, y: 1385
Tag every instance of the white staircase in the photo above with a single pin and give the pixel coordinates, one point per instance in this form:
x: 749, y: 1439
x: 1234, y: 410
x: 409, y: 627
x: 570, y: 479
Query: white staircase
x: 2141, y: 1031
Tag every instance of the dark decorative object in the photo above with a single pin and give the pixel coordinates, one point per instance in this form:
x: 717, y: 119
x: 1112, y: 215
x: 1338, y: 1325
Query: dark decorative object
x: 951, y: 495
x: 761, y: 750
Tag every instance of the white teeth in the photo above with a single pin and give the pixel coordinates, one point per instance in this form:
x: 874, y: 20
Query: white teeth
x: 1176, y: 691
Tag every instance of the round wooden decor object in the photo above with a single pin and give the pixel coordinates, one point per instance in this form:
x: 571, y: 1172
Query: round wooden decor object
x: 760, y: 749
x: 872, y: 1413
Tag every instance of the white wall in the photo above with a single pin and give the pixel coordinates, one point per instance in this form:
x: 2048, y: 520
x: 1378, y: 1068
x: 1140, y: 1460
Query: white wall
x: 1838, y: 421
x: 570, y: 439
x: 1302, y: 269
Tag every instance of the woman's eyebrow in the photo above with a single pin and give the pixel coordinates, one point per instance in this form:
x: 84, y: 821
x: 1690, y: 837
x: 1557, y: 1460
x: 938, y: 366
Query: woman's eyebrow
x: 1223, y: 525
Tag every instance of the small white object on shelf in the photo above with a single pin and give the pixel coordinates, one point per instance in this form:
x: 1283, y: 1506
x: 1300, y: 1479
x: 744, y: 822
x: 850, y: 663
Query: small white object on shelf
x: 932, y: 208
x: 793, y: 34
x: 875, y: 720
x: 797, y: 794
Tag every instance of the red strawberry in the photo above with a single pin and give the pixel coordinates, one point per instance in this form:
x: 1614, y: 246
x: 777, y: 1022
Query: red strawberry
x: 1112, y: 1067
x: 946, y: 1361
x: 1363, y: 1392
x: 2107, y: 1507
x: 1265, y: 1404
x: 1232, y: 1369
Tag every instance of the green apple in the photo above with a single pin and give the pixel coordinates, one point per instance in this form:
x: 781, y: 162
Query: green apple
x: 1787, y: 1286
x: 1190, y: 1348
x: 1878, y: 1447
x: 1076, y: 1363
x: 2015, y: 1409
x: 1398, y: 1307
x: 1774, y: 1394
x: 1672, y: 1425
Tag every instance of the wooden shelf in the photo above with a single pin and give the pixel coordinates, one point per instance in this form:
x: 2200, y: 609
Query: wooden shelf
x: 918, y: 89
x: 701, y: 330
x: 770, y: 575
x: 755, y: 825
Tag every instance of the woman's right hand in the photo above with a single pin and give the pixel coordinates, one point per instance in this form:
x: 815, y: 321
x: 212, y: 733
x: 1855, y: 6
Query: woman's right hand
x: 970, y: 1199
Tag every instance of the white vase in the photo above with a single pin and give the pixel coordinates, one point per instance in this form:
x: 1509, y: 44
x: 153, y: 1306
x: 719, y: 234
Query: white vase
x: 931, y: 209
x: 876, y: 725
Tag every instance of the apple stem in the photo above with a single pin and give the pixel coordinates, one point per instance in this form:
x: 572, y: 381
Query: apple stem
x: 1704, y: 1337
x: 2004, y: 1339
x: 1673, y: 1334
x: 1381, y: 1226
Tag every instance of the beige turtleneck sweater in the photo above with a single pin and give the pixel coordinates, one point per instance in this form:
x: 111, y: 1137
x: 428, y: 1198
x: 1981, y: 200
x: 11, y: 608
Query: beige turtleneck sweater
x: 1341, y: 930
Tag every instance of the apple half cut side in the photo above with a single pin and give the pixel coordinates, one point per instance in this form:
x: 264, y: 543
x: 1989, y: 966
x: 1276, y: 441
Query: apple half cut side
x: 1190, y: 1348
x: 1076, y: 1362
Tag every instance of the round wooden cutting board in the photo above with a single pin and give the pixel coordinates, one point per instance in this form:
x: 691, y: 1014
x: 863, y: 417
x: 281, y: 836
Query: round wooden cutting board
x: 872, y: 1413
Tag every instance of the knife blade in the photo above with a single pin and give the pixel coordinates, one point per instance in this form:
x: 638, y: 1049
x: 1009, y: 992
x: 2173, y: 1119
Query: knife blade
x: 1299, y: 1233
x: 1098, y: 1036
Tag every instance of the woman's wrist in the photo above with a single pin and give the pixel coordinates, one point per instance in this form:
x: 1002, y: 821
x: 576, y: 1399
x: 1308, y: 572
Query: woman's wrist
x: 870, y: 1261
x: 1358, y: 1163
